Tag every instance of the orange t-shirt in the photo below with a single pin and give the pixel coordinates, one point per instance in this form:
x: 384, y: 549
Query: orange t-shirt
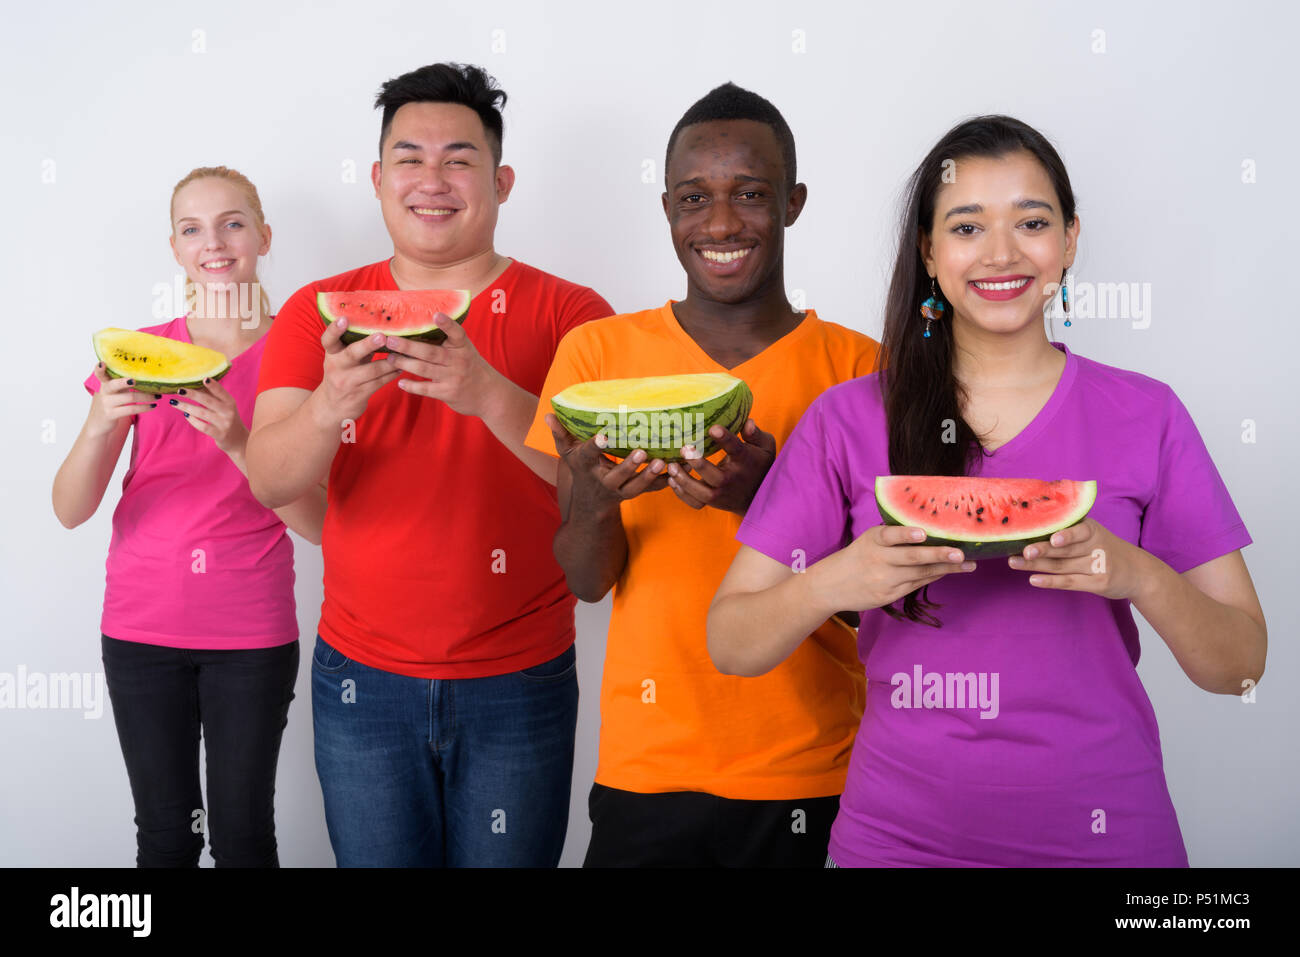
x: 670, y: 721
x: 437, y: 539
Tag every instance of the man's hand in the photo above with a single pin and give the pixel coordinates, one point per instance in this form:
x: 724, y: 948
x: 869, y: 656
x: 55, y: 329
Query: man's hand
x: 732, y: 483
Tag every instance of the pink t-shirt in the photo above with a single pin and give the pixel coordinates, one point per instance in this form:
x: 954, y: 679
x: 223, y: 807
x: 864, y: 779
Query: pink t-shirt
x: 1036, y: 744
x: 195, y: 560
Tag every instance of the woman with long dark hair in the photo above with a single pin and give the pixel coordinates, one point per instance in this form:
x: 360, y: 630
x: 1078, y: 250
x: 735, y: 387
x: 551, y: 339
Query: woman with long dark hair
x: 1005, y: 722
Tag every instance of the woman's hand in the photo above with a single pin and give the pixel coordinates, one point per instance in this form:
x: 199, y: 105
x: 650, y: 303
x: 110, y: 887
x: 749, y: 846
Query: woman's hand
x: 115, y: 400
x: 880, y: 566
x: 213, y: 412
x: 1086, y: 557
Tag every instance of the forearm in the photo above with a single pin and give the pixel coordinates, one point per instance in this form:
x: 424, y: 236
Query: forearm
x: 306, y: 516
x: 287, y: 458
x: 750, y: 633
x: 1218, y: 646
x: 591, y: 547
x: 83, y: 478
x: 508, y: 414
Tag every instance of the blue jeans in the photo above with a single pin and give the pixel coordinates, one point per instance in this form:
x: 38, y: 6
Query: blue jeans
x: 455, y: 772
x: 163, y: 698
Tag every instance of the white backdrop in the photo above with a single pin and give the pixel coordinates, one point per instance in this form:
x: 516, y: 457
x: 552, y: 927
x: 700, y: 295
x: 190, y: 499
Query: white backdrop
x: 1175, y: 121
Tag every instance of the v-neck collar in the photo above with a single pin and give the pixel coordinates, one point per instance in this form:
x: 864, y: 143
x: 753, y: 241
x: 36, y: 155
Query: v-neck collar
x: 675, y: 328
x: 1047, y: 412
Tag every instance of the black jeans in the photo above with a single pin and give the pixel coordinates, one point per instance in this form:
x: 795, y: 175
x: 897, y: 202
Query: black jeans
x: 162, y: 698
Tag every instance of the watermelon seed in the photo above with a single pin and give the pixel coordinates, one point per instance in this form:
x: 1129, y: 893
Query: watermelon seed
x: 1024, y: 505
x: 980, y: 510
x: 979, y: 520
x: 1004, y: 519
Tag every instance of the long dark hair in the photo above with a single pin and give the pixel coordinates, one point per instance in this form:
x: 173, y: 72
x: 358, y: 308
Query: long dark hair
x: 921, y: 395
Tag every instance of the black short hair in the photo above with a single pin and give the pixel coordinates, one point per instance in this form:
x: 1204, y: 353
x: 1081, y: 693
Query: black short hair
x: 730, y: 102
x: 461, y: 83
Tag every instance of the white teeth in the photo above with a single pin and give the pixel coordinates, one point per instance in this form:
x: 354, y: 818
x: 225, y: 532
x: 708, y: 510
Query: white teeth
x: 1013, y: 284
x: 716, y: 257
x: 218, y: 264
x: 425, y: 211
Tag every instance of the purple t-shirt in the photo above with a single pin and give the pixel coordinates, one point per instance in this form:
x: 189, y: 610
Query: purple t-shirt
x: 1017, y: 734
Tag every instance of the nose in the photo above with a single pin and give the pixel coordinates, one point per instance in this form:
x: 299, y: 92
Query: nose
x: 434, y: 179
x: 723, y: 222
x: 999, y: 248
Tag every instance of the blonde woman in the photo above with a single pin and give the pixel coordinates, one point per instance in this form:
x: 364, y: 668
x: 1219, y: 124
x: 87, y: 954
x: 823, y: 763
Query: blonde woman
x: 199, y: 629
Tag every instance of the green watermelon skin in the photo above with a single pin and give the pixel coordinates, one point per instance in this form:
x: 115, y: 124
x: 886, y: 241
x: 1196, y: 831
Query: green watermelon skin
x: 913, y: 499
x: 394, y: 312
x: 729, y: 411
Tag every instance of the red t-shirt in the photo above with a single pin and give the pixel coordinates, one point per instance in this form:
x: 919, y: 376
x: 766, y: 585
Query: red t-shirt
x: 437, y: 539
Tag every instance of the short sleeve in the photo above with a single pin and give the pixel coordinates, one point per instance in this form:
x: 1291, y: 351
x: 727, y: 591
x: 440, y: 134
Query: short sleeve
x: 572, y: 364
x: 1191, y: 518
x: 801, y: 513
x: 585, y: 305
x: 293, y: 356
x: 866, y: 360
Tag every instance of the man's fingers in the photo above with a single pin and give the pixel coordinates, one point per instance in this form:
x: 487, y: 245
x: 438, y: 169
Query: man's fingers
x: 332, y: 337
x: 565, y: 442
x: 361, y: 350
x: 701, y: 491
x: 689, y: 497
x: 730, y: 443
x: 757, y: 437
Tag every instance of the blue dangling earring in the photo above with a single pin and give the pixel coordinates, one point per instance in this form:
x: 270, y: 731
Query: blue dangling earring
x: 933, y: 308
x: 1065, y: 295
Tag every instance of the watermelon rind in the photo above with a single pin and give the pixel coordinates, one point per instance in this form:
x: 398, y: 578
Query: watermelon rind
x: 359, y: 329
x: 977, y: 547
x: 659, y: 430
x: 128, y: 354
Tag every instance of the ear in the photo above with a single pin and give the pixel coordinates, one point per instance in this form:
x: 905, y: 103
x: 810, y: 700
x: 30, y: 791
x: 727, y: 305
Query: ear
x: 664, y: 200
x: 172, y: 240
x: 794, y: 203
x: 266, y: 240
x: 1071, y: 242
x: 505, y: 178
x: 925, y: 247
x: 375, y: 177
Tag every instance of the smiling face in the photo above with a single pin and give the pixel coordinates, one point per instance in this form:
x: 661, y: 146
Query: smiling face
x: 727, y: 207
x: 999, y: 243
x: 216, y: 237
x: 437, y: 185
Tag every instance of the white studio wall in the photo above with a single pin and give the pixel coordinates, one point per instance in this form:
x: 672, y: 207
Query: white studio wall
x: 1175, y: 122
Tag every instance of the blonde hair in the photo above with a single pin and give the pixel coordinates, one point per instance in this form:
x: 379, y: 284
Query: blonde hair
x: 244, y: 184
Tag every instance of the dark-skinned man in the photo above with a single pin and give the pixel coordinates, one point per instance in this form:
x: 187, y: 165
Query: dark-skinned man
x: 697, y: 768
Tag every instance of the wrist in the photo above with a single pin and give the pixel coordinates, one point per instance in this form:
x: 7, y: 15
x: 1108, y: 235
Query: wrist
x: 1150, y: 577
x: 493, y: 393
x: 816, y: 593
x: 321, y: 416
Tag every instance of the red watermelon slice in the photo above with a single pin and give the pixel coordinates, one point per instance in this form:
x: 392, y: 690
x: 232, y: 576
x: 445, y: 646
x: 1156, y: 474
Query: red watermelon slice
x: 984, y: 517
x: 394, y: 312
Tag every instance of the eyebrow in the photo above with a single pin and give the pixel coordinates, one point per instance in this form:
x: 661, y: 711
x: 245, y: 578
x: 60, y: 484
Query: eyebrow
x: 1019, y: 204
x: 229, y: 212
x: 450, y: 147
x: 738, y: 178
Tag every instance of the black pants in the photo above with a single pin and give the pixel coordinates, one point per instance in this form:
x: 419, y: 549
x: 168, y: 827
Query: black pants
x: 162, y: 698
x: 693, y: 829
